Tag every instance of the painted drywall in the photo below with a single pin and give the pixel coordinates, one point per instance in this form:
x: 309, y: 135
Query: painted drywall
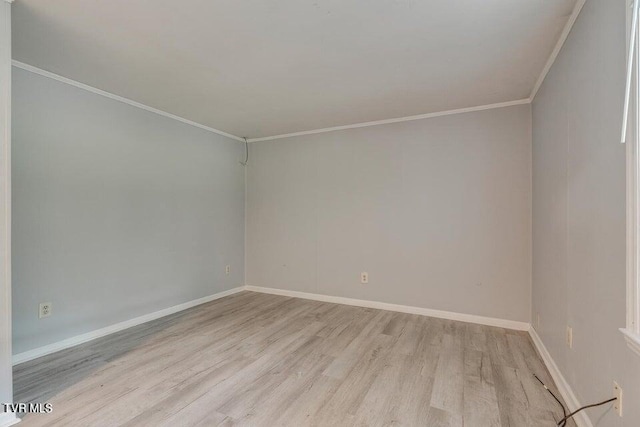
x: 6, y: 382
x: 118, y: 212
x: 579, y: 213
x: 437, y: 211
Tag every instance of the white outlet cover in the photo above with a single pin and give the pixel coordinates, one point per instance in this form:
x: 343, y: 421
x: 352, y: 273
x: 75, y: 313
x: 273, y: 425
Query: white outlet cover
x: 364, y: 277
x: 45, y: 309
x: 617, y: 404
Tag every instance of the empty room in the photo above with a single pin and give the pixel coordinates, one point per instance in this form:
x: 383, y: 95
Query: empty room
x: 320, y: 213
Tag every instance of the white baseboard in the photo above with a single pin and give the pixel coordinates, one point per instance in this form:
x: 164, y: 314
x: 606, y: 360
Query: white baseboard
x: 581, y: 418
x: 79, y: 339
x: 8, y: 419
x: 470, y: 318
x: 89, y: 336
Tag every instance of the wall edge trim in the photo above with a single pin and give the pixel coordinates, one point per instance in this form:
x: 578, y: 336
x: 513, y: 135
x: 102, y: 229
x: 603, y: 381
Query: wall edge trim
x: 581, y: 418
x: 558, y: 47
x: 396, y: 120
x: 441, y: 314
x: 71, y: 82
x: 8, y: 419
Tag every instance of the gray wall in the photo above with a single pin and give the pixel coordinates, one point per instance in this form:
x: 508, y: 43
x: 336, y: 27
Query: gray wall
x: 579, y: 212
x: 437, y: 212
x: 117, y: 212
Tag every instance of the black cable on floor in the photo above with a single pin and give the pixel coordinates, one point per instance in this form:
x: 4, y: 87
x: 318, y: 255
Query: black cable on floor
x: 564, y: 410
x: 567, y: 417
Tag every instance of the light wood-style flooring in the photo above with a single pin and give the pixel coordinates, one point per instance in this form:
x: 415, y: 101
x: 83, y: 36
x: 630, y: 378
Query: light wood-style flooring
x: 267, y: 360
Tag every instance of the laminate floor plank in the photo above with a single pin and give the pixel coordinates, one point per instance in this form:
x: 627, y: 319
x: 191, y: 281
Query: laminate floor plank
x: 254, y: 359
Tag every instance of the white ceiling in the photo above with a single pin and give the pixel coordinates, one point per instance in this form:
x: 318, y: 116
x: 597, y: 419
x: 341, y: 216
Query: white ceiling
x: 265, y: 67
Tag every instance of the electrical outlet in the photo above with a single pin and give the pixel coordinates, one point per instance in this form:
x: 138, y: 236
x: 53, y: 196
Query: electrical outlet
x: 227, y: 269
x: 617, y: 404
x: 570, y: 336
x: 364, y: 277
x: 45, y: 310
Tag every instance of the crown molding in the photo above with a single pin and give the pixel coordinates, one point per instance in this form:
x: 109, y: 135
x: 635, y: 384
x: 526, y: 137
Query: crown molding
x: 396, y: 120
x: 550, y: 61
x: 83, y: 86
x: 118, y: 98
x: 556, y: 50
